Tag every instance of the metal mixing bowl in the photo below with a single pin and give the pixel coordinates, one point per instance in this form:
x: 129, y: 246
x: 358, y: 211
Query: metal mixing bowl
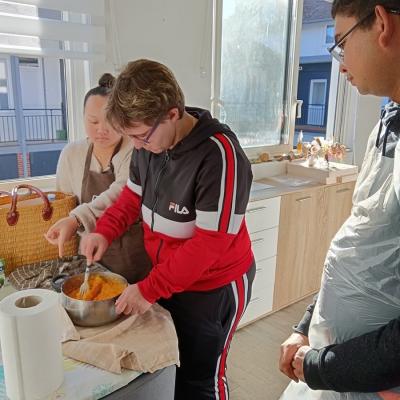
x: 85, y: 312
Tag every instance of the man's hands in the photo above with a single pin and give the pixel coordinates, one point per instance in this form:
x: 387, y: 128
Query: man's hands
x: 61, y: 232
x: 298, y: 362
x: 131, y: 301
x: 93, y: 247
x: 289, y: 349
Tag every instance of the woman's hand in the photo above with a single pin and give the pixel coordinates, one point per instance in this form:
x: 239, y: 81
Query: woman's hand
x: 61, y: 232
x: 93, y: 247
x: 131, y: 301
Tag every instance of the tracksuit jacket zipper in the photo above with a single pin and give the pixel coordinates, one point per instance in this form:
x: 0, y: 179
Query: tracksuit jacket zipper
x: 154, y: 208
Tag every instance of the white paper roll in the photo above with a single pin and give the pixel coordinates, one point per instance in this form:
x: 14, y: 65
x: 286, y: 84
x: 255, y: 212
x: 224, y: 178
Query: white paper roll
x: 30, y: 332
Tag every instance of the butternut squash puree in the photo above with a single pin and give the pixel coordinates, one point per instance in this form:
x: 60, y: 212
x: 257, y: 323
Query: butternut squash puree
x: 100, y: 288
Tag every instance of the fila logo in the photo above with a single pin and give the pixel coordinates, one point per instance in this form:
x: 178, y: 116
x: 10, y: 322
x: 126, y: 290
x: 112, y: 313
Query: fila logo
x: 176, y: 208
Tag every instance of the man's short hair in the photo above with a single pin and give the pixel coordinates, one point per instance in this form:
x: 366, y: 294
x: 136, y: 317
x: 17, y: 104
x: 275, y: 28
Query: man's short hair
x: 145, y: 91
x: 361, y: 8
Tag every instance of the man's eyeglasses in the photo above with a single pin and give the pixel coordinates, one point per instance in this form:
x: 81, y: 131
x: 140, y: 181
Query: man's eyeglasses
x: 337, y: 50
x: 145, y: 137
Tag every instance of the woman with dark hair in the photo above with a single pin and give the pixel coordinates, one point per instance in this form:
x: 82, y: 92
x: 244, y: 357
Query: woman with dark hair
x: 95, y: 169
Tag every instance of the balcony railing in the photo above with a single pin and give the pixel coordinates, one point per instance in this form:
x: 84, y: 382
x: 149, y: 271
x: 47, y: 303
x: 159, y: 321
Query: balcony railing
x: 41, y: 125
x: 312, y: 114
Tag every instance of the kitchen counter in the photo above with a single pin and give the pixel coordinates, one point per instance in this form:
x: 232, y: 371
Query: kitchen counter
x: 279, y: 185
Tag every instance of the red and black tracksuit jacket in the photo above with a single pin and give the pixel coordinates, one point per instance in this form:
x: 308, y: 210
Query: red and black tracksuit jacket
x: 193, y: 200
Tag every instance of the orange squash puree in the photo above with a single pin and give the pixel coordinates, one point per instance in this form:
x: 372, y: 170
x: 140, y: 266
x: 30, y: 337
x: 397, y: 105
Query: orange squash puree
x: 100, y: 288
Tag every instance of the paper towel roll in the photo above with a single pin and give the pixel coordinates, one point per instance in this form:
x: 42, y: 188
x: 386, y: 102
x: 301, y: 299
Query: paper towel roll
x: 30, y: 333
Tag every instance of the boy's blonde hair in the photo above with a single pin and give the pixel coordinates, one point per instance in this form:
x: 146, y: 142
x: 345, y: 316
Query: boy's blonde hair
x: 145, y: 91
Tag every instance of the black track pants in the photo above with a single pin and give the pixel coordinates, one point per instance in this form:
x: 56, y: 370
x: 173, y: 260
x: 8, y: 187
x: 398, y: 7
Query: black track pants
x: 205, y: 323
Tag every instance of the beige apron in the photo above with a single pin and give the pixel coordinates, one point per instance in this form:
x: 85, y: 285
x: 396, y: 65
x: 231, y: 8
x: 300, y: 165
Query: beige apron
x: 126, y: 255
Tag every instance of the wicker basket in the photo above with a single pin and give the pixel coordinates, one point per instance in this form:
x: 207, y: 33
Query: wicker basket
x: 24, y: 219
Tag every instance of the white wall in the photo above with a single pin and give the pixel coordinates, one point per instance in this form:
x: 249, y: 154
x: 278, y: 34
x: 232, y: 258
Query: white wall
x: 313, y: 38
x: 177, y: 33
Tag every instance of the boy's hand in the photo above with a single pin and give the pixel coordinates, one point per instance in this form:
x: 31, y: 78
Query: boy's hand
x: 93, y: 247
x: 131, y: 301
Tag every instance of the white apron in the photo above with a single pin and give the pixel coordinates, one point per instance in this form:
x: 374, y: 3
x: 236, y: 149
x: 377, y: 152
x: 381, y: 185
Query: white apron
x: 360, y: 287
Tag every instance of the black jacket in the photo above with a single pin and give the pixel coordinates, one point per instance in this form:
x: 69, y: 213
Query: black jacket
x: 367, y: 363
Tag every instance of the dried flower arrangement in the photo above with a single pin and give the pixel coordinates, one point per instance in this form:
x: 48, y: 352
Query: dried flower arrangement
x: 320, y: 148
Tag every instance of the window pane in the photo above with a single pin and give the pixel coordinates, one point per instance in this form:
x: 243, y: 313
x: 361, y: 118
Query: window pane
x: 33, y: 128
x: 330, y: 34
x: 253, y: 69
x: 3, y: 85
x: 318, y: 93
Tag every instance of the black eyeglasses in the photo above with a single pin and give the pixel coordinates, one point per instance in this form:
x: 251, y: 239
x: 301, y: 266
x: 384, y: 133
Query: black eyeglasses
x: 147, y: 135
x: 337, y: 50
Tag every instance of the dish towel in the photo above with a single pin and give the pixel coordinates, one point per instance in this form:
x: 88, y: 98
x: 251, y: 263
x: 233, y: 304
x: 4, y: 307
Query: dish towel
x: 145, y: 343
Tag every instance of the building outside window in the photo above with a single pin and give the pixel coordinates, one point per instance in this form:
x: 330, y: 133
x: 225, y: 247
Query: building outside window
x: 315, y: 68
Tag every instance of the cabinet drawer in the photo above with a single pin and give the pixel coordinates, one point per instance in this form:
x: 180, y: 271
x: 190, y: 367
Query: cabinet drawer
x: 263, y: 214
x: 264, y: 243
x: 262, y: 294
x: 264, y: 281
x: 257, y: 307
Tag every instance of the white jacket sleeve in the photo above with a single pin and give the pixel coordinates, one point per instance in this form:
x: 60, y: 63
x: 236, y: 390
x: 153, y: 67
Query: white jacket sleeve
x: 63, y: 174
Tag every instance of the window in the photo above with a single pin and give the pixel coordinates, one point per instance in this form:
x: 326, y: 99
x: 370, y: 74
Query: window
x: 4, y: 103
x: 44, y: 55
x: 251, y: 87
x: 28, y: 62
x: 317, y: 102
x: 37, y: 124
x: 330, y: 35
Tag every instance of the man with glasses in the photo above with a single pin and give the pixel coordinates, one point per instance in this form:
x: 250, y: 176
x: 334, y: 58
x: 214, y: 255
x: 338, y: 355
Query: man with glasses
x: 191, y: 181
x: 349, y: 339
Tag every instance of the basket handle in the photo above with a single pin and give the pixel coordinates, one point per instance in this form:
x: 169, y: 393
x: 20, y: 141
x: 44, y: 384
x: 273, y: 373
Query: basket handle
x: 13, y: 214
